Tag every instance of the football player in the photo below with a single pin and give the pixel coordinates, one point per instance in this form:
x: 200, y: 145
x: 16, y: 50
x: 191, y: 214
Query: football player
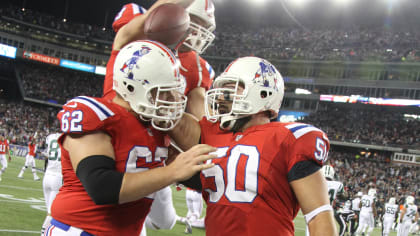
x: 197, y: 73
x: 264, y: 171
x: 409, y: 215
x: 367, y: 213
x: 391, y: 210
x: 345, y: 216
x: 53, y: 179
x: 335, y: 188
x: 356, y: 208
x: 30, y: 160
x: 4, y: 149
x: 111, y: 148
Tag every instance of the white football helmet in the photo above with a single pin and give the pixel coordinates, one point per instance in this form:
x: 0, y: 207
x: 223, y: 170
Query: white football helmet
x: 328, y: 172
x: 263, y: 90
x: 392, y: 200
x: 146, y: 75
x: 409, y: 200
x: 372, y: 192
x: 359, y: 194
x: 201, y: 35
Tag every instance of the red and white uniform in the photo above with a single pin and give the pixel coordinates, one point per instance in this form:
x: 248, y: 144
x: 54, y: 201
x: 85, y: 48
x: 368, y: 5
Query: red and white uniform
x: 247, y: 191
x: 30, y: 161
x: 4, y: 146
x: 196, y: 71
x: 137, y: 148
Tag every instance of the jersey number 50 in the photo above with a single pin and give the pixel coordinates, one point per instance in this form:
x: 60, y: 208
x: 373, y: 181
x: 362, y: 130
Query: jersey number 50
x: 249, y: 171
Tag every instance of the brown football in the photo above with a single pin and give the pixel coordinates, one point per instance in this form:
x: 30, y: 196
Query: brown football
x: 167, y: 24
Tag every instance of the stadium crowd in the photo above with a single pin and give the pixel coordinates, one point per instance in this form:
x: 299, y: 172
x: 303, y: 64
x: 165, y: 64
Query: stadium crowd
x: 354, y: 43
x: 20, y: 121
x: 57, y: 85
x: 360, y: 172
x: 367, y: 126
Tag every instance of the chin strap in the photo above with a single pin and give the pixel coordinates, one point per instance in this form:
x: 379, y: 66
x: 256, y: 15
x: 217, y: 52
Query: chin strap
x: 234, y: 123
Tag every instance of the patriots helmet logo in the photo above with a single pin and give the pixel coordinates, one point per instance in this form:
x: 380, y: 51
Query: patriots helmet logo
x: 131, y: 63
x: 263, y: 73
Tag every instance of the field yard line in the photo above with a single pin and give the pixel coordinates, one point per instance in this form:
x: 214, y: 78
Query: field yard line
x: 21, y: 188
x: 20, y: 231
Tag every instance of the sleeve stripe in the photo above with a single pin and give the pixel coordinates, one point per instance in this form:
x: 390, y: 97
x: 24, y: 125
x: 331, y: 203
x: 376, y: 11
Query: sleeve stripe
x: 210, y: 70
x: 101, y: 106
x: 299, y: 129
x: 136, y: 8
x: 99, y: 111
x: 304, y: 131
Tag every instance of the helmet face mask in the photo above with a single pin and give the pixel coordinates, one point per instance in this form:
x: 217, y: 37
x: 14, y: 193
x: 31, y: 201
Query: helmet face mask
x: 202, y: 26
x: 146, y: 75
x: 248, y: 86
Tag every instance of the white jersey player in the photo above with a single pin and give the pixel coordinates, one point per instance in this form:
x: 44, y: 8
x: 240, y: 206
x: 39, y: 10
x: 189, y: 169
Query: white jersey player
x: 367, y: 213
x: 335, y: 188
x: 391, y: 210
x: 409, y: 215
x: 53, y: 178
x: 355, y: 206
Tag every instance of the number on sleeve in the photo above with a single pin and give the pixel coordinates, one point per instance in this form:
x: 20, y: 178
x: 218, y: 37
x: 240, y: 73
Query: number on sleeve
x: 72, y: 125
x: 321, y: 152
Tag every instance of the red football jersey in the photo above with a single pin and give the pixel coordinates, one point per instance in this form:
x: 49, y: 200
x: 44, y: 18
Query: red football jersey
x: 3, y: 146
x: 196, y: 70
x: 108, y: 91
x: 247, y: 191
x: 137, y: 148
x: 31, y: 149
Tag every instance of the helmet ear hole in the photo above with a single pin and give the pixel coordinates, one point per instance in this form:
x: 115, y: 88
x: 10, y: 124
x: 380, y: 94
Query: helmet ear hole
x: 130, y: 88
x: 263, y: 94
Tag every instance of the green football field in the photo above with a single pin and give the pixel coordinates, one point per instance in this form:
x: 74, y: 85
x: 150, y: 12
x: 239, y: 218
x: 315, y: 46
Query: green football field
x: 22, y: 207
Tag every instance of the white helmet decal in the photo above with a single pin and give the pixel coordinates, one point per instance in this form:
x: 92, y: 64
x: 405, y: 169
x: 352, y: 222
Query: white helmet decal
x: 146, y: 75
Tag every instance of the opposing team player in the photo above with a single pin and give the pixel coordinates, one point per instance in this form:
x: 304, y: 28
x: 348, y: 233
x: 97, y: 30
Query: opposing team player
x: 265, y: 170
x: 4, y: 149
x: 335, y: 189
x: 391, y: 210
x: 355, y: 206
x: 409, y: 215
x: 30, y: 160
x: 345, y: 216
x: 367, y: 213
x: 111, y: 148
x: 53, y: 179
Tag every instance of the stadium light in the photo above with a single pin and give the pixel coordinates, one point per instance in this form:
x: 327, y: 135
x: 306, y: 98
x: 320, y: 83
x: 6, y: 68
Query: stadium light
x: 257, y: 2
x: 343, y: 2
x: 298, y: 3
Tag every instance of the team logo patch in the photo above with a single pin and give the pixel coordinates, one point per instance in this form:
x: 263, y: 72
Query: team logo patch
x: 131, y: 63
x: 261, y: 76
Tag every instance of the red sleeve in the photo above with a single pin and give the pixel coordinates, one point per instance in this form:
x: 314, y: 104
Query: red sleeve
x: 82, y: 115
x: 126, y: 14
x: 108, y: 91
x: 308, y: 143
x: 208, y: 74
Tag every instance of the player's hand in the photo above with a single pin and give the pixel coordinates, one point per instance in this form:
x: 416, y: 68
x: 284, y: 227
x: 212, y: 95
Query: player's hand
x: 10, y: 158
x: 188, y: 163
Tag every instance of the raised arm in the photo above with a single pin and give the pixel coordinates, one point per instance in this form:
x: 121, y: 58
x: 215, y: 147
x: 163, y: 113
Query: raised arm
x: 134, y: 30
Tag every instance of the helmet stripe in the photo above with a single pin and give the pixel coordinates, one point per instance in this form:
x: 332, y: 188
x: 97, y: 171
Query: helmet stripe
x: 168, y: 52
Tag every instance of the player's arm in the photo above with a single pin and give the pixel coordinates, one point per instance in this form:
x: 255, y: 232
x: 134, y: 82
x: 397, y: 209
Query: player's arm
x: 315, y: 186
x: 375, y: 214
x: 187, y: 132
x: 404, y: 210
x: 195, y: 105
x: 93, y: 159
x: 134, y: 30
x: 8, y: 152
